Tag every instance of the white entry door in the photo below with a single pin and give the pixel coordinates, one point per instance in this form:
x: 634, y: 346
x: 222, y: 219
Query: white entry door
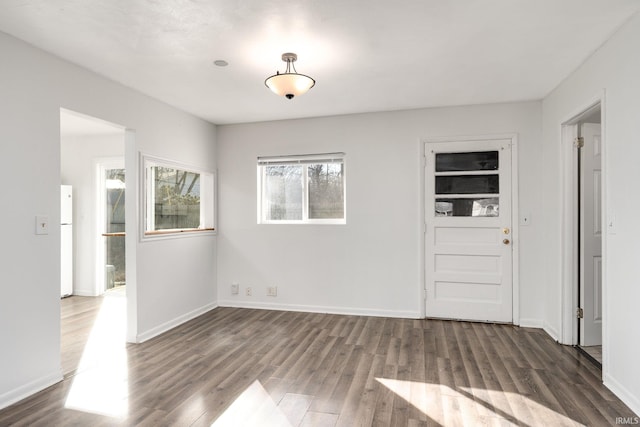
x: 468, y: 230
x: 591, y: 232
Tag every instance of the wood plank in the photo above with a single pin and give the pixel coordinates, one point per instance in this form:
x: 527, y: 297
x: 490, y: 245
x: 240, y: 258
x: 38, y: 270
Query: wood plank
x: 314, y: 369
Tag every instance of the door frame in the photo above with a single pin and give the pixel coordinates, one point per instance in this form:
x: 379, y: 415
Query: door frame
x: 515, y: 233
x: 569, y: 226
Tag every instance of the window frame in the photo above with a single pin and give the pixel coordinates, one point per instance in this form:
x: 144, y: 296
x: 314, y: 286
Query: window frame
x: 208, y: 204
x: 303, y: 160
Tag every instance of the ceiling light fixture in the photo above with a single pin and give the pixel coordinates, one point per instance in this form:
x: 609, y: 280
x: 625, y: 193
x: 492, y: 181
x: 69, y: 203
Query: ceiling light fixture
x: 289, y: 84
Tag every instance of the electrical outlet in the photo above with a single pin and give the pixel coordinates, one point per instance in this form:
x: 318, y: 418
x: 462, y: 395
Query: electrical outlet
x: 235, y: 289
x: 272, y: 291
x: 248, y: 291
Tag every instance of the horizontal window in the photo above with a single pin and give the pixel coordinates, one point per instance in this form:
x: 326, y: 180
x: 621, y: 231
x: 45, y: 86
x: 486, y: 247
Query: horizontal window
x: 302, y: 189
x: 178, y: 198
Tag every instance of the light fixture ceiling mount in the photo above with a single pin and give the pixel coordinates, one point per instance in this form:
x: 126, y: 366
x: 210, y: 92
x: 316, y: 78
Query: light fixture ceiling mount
x: 290, y: 83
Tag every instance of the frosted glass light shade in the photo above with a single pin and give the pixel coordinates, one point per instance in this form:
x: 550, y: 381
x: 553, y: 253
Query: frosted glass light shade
x: 289, y: 84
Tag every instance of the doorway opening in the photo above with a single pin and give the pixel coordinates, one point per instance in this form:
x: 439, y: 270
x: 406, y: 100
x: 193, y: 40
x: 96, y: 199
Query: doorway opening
x: 92, y: 168
x: 590, y: 233
x: 584, y: 134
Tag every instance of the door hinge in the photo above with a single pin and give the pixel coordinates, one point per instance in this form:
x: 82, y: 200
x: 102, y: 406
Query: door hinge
x: 580, y: 313
x: 579, y: 142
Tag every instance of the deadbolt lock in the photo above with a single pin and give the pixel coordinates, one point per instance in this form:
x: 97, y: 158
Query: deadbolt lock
x: 505, y: 230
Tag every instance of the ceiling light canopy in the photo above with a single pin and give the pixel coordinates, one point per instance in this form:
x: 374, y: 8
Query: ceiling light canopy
x: 289, y: 83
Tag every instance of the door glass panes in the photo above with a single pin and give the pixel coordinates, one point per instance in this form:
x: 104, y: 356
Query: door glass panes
x: 283, y: 192
x: 479, y: 161
x: 114, y: 227
x: 468, y: 207
x: 326, y: 190
x: 467, y: 184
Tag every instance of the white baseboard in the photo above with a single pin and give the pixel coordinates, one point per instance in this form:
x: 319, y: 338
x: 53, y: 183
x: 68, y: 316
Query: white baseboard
x: 551, y: 331
x: 531, y: 323
x: 631, y: 400
x: 154, y: 332
x: 322, y: 309
x: 83, y: 293
x: 16, y: 395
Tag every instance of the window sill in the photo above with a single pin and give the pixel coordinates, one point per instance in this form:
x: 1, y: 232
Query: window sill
x: 177, y: 233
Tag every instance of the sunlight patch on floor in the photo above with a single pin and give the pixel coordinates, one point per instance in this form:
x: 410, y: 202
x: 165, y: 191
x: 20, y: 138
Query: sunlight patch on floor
x: 440, y: 403
x: 254, y: 407
x: 100, y: 384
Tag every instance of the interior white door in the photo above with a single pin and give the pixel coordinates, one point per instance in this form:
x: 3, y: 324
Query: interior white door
x: 468, y: 230
x: 591, y: 235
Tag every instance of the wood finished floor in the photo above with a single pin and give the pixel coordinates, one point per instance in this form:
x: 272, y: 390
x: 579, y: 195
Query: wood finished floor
x: 594, y: 351
x: 254, y: 367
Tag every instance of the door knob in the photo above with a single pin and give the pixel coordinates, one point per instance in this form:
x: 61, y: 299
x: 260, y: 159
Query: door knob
x: 506, y: 241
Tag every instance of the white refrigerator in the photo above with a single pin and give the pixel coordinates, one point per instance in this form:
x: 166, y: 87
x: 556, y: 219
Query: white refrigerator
x: 66, y: 240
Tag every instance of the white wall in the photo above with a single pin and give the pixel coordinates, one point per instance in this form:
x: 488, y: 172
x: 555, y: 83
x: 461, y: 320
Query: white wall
x: 172, y: 283
x: 372, y: 264
x: 78, y: 168
x: 614, y: 68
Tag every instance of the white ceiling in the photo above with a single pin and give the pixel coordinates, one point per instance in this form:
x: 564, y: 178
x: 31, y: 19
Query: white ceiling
x: 75, y: 124
x: 366, y: 55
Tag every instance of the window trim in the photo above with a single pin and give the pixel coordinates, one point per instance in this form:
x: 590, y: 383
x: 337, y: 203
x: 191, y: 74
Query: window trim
x: 147, y: 190
x: 302, y: 160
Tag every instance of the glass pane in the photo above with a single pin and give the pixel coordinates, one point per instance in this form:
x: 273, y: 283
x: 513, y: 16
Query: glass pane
x: 283, y: 192
x: 177, y: 202
x: 326, y: 190
x: 467, y: 184
x: 114, y: 184
x: 115, y: 249
x: 479, y: 161
x: 468, y: 207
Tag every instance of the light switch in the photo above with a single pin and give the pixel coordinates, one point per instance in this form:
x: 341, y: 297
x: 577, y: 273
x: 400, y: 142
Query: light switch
x: 42, y: 224
x: 525, y: 219
x: 611, y: 224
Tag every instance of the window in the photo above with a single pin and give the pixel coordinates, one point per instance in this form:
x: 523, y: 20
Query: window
x: 307, y: 189
x: 178, y: 198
